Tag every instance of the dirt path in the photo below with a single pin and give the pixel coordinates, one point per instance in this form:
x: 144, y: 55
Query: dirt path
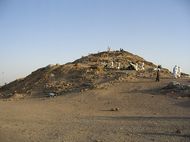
x: 144, y: 115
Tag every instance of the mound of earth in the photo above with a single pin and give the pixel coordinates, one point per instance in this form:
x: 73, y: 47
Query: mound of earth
x: 177, y: 88
x: 92, y: 71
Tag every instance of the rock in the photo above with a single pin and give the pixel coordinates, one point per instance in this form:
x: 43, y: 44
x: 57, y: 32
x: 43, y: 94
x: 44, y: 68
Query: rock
x: 52, y: 75
x: 178, y: 131
x: 87, y: 84
x: 51, y: 94
x: 117, y: 109
x: 177, y: 89
x: 15, y: 96
x: 179, y: 97
x: 173, y: 84
x: 114, y: 109
x: 68, y: 84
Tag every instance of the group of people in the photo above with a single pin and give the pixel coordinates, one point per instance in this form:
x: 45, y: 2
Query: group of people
x: 177, y: 71
x: 140, y: 66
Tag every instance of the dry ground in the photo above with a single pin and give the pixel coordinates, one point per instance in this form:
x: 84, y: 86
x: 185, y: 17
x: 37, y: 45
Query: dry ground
x: 144, y: 115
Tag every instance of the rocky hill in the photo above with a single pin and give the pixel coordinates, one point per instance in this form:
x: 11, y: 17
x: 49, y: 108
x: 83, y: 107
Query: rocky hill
x: 92, y: 71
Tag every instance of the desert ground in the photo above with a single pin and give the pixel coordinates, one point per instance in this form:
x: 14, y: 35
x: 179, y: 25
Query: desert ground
x: 124, y: 112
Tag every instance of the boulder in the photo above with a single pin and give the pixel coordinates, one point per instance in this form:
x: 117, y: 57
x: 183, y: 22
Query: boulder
x: 51, y: 94
x: 173, y: 85
x: 177, y: 88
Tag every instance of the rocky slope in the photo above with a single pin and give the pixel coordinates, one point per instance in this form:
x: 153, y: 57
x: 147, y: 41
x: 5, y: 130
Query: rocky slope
x: 92, y: 71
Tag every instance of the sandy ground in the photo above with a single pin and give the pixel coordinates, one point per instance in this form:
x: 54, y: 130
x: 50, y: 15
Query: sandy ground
x: 144, y: 116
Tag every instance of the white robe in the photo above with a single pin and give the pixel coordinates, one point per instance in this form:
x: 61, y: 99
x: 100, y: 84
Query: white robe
x: 175, y: 71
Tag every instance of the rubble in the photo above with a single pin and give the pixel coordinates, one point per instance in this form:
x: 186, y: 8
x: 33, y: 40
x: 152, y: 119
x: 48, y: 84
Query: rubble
x: 177, y: 88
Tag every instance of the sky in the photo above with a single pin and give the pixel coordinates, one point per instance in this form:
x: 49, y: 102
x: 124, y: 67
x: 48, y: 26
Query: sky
x: 35, y: 33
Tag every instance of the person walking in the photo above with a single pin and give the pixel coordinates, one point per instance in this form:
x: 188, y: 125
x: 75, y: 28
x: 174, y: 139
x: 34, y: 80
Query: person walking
x: 158, y: 73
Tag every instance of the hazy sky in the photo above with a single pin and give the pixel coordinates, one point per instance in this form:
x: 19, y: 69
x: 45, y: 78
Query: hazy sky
x: 35, y: 33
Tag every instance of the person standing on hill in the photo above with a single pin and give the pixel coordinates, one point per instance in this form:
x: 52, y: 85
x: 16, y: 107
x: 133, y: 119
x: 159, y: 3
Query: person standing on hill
x: 179, y: 72
x: 175, y: 71
x: 158, y: 73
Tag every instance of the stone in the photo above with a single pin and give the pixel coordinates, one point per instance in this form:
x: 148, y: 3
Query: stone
x: 178, y: 131
x: 114, y: 109
x: 51, y: 94
x: 172, y: 85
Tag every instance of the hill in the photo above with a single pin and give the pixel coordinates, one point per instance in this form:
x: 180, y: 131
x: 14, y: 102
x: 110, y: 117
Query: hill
x: 93, y: 71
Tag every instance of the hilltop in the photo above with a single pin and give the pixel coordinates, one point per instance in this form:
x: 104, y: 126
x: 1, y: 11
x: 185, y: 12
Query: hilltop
x: 93, y: 71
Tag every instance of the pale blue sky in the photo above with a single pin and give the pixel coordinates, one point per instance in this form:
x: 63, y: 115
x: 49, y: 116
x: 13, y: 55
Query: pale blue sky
x: 35, y: 33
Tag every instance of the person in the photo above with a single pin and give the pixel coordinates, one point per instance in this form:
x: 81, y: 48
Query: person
x: 179, y: 72
x: 158, y: 73
x: 175, y: 71
x: 121, y: 50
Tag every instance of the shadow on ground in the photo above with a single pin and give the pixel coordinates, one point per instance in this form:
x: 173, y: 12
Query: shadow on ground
x: 167, y: 134
x: 185, y: 104
x: 143, y: 118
